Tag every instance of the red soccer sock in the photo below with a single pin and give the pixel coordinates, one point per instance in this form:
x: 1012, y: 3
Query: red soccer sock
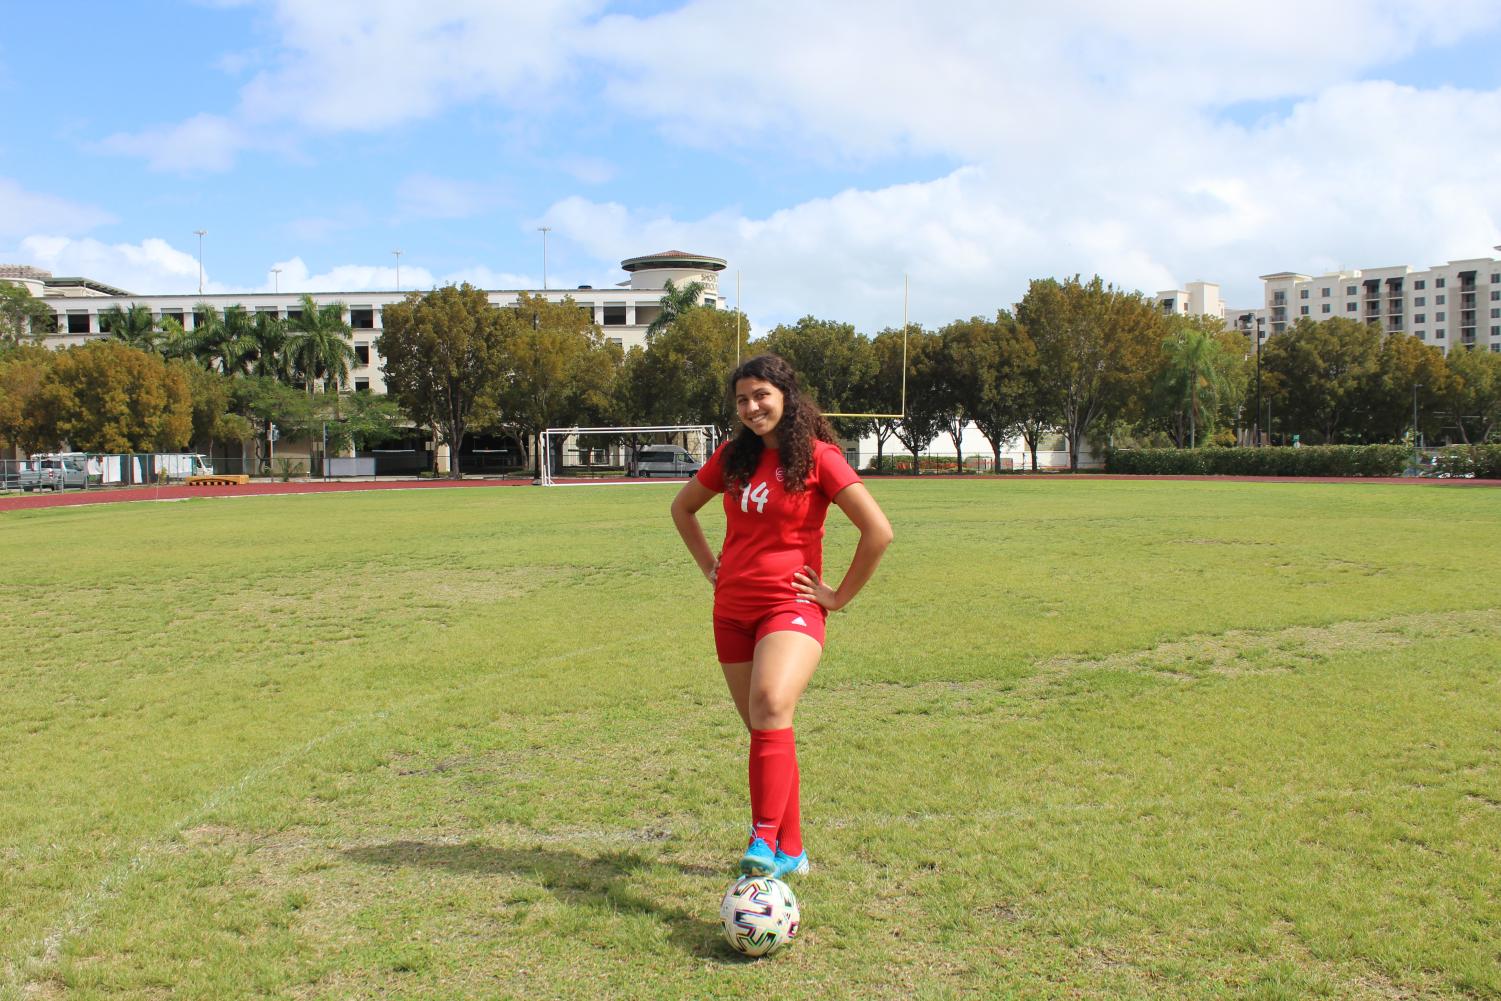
x: 773, y: 772
x: 790, y: 837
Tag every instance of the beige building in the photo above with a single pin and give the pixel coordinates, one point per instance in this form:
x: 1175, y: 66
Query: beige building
x: 622, y: 311
x: 1448, y: 305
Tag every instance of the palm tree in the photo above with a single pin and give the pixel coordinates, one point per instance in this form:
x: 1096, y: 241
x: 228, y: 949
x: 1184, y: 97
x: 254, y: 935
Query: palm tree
x: 1195, y: 373
x: 135, y: 326
x: 319, y: 344
x: 271, y: 348
x: 236, y: 341
x: 177, y: 342
x: 675, y: 302
x: 205, y: 334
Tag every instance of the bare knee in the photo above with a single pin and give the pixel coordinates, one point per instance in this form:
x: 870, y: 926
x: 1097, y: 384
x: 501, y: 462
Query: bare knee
x: 771, y: 710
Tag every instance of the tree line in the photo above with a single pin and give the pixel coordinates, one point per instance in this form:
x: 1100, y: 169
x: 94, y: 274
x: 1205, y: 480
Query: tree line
x: 1078, y: 358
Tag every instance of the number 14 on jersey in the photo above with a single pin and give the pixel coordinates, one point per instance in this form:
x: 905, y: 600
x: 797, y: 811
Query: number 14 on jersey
x: 757, y: 495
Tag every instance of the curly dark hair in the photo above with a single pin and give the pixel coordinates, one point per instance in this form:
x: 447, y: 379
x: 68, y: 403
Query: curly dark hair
x: 801, y: 424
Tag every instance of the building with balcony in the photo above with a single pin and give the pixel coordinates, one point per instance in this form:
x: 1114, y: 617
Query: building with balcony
x: 1448, y: 305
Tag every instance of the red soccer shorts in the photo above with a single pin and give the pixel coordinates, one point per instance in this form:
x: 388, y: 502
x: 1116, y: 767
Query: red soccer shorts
x: 735, y: 638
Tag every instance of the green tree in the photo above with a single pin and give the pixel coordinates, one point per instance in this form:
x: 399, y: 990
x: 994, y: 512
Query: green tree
x: 990, y: 365
x: 362, y: 420
x: 106, y: 396
x: 23, y: 370
x: 1471, y: 399
x: 318, y: 345
x: 1317, y: 374
x: 213, y: 417
x: 236, y: 344
x: 133, y: 325
x: 928, y: 403
x: 562, y: 371
x: 265, y: 402
x: 1407, y: 371
x: 1193, y: 379
x: 686, y: 366
x: 270, y: 336
x: 886, y: 389
x: 834, y: 365
x: 23, y: 317
x: 176, y: 342
x: 446, y: 359
x: 675, y: 302
x: 1096, y: 346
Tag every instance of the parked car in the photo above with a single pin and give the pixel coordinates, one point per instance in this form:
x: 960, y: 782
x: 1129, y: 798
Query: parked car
x: 663, y: 460
x: 54, y: 472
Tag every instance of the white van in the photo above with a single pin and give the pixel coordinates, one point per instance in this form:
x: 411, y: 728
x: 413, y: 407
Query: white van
x: 663, y: 460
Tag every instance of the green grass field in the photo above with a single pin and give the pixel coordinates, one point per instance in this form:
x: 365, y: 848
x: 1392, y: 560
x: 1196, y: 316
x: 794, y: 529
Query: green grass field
x: 1077, y: 739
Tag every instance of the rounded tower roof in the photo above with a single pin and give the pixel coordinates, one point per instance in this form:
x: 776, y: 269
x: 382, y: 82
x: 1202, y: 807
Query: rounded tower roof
x: 673, y: 259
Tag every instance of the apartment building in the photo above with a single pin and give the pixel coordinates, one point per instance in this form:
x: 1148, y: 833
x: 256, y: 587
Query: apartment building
x: 1453, y: 304
x: 623, y: 311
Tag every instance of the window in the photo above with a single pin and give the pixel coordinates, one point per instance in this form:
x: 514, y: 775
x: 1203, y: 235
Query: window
x: 1496, y: 278
x: 1421, y: 300
x: 1303, y: 310
x: 266, y: 309
x: 199, y: 319
x: 294, y: 314
x: 78, y: 323
x: 1495, y: 313
x: 615, y: 341
x: 1438, y: 300
x: 1350, y: 290
x: 1302, y: 293
x: 1496, y: 348
x: 1324, y: 292
x: 1420, y: 283
x: 1420, y: 318
x: 1439, y: 316
x: 172, y: 314
x: 362, y: 385
x: 1496, y: 295
x: 362, y: 354
x: 1349, y: 307
x: 1495, y: 331
x: 1327, y: 307
x: 614, y: 316
x: 1438, y: 335
x: 1421, y: 337
x: 362, y: 317
x: 1278, y: 298
x: 1438, y: 283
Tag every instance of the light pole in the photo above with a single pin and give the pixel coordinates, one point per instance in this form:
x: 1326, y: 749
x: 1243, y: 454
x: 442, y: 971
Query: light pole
x: 397, y: 253
x: 1417, y: 436
x: 276, y: 280
x: 201, y: 234
x: 544, y: 230
x: 1256, y: 332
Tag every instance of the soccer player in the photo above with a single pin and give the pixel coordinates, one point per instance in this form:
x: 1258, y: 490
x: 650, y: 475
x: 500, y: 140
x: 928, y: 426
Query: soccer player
x: 778, y: 473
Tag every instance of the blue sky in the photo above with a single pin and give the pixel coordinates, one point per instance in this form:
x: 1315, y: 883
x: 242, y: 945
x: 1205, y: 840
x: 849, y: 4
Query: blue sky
x: 824, y: 150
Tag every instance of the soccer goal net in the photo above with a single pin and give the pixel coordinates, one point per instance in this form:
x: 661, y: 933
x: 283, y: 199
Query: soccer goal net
x: 578, y: 456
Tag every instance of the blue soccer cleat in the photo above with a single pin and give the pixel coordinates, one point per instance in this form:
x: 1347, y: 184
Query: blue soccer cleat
x: 790, y: 865
x: 758, y: 859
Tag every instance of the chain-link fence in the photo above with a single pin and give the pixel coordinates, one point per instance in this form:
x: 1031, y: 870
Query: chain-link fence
x: 91, y: 470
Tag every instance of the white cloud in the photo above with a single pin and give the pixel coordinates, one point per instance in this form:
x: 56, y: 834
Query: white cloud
x: 152, y: 266
x: 23, y: 212
x: 201, y: 143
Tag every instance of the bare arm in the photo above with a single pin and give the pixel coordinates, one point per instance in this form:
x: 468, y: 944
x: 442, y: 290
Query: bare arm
x: 685, y: 507
x: 875, y: 535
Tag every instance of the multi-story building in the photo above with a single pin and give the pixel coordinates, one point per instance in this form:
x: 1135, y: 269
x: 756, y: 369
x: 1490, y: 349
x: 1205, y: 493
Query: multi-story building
x: 622, y: 311
x: 1458, y: 303
x: 1197, y: 299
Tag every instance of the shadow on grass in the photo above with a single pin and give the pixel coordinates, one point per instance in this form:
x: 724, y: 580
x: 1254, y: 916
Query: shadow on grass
x: 601, y: 882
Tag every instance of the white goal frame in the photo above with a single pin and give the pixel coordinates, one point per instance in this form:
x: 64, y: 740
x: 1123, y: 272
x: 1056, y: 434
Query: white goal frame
x: 545, y: 459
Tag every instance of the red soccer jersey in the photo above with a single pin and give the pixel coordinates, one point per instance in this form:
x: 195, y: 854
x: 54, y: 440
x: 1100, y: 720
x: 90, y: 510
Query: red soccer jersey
x: 771, y: 533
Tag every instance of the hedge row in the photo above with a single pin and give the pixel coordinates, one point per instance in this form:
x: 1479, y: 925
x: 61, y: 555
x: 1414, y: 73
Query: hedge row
x: 1312, y: 460
x: 1480, y: 461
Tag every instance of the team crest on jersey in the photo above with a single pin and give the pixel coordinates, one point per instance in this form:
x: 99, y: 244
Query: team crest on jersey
x: 779, y: 474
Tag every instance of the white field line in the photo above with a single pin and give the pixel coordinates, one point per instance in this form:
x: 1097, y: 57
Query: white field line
x: 81, y: 908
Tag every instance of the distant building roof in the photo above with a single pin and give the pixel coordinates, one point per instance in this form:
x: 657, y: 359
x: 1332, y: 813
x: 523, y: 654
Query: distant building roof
x: 673, y: 259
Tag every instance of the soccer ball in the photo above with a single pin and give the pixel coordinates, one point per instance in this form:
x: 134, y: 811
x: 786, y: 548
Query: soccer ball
x: 759, y: 914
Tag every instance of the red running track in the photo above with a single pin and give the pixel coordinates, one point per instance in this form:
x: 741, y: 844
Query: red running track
x: 109, y: 495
